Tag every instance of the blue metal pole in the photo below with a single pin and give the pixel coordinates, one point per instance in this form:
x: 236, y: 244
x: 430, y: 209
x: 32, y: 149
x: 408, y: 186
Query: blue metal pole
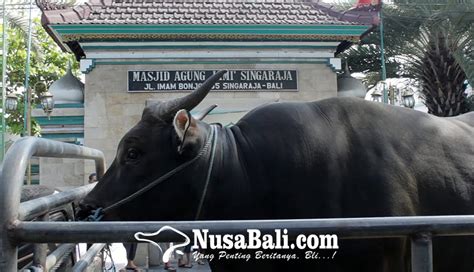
x: 26, y: 119
x: 382, y: 56
x: 27, y: 111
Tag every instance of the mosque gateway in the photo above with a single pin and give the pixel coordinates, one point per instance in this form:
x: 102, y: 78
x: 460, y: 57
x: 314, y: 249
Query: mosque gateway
x: 133, y: 51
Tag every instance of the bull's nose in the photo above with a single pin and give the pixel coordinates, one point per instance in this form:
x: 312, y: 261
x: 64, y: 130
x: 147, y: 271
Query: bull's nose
x: 85, y: 209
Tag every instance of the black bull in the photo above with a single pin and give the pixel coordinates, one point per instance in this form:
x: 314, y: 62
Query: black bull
x: 326, y: 159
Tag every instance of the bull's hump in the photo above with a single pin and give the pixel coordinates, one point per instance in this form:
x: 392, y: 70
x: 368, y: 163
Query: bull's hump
x: 467, y: 118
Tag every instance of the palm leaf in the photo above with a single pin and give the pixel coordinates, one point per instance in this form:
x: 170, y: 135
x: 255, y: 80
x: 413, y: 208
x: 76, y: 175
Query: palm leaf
x: 465, y: 56
x: 21, y: 23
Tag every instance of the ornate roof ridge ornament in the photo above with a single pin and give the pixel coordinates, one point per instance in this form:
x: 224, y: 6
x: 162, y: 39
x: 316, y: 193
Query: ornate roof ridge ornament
x: 347, y: 85
x: 68, y: 89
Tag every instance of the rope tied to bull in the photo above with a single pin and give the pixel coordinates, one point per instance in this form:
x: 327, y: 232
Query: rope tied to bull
x: 209, y: 171
x: 98, y: 214
x: 95, y: 216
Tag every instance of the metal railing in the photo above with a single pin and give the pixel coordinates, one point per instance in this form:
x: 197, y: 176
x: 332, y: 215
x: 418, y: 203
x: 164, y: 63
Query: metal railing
x: 420, y: 229
x: 11, y: 180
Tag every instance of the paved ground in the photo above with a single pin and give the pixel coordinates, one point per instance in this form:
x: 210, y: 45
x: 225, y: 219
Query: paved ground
x: 120, y: 260
x: 196, y: 267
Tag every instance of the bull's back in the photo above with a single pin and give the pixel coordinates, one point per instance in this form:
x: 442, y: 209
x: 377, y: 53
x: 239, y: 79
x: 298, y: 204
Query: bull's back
x: 353, y: 151
x: 467, y: 118
x: 351, y: 158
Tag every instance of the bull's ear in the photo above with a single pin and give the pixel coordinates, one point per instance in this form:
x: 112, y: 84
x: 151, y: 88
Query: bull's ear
x: 186, y: 128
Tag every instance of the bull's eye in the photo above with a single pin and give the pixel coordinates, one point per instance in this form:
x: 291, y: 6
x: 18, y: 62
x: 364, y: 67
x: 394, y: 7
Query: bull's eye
x: 132, y: 154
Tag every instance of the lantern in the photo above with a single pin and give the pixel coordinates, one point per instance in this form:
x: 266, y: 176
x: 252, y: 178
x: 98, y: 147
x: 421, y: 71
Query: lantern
x: 408, y: 99
x: 11, y: 103
x: 47, y: 102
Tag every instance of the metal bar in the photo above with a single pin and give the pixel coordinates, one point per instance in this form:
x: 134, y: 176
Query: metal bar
x: 4, y: 77
x: 27, y: 110
x: 33, y: 268
x: 35, y: 207
x: 358, y: 228
x: 382, y: 56
x: 57, y: 255
x: 421, y: 253
x: 26, y: 257
x: 88, y: 258
x: 27, y: 98
x: 40, y: 250
x: 11, y: 179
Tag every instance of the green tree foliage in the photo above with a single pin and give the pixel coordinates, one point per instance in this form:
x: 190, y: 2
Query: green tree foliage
x: 429, y: 41
x: 433, y: 63
x: 441, y: 55
x: 19, y: 19
x: 365, y: 57
x: 46, y: 67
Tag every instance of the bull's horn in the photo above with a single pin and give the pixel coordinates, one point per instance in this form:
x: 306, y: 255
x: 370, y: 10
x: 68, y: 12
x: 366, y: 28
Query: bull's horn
x: 205, y: 112
x: 193, y: 99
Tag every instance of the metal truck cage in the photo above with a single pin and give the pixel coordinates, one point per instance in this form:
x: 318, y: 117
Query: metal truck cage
x: 15, y: 227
